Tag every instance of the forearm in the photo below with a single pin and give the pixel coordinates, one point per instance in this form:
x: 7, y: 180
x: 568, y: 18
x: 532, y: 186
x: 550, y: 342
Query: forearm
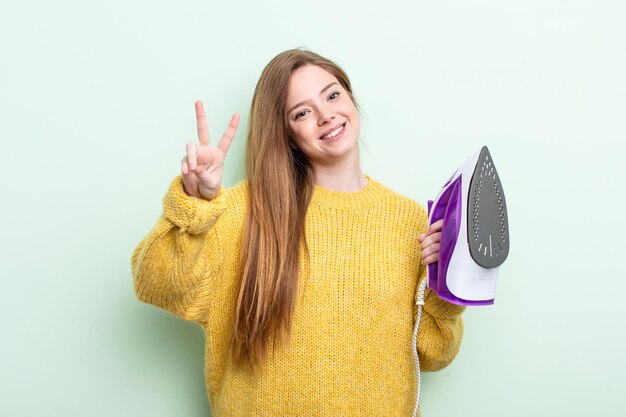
x: 440, y: 333
x: 176, y: 264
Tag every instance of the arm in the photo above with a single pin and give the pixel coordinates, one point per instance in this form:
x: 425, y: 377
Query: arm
x: 176, y: 266
x: 441, y: 327
x: 440, y: 332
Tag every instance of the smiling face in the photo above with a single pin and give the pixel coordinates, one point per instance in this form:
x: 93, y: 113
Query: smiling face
x: 323, y: 121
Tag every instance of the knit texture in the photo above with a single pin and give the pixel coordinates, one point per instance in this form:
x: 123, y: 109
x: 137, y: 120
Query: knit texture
x: 349, y: 352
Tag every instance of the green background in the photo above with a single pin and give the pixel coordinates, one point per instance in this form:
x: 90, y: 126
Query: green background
x: 96, y: 105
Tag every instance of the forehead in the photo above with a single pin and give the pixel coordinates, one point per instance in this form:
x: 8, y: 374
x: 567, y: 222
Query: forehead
x: 307, y: 82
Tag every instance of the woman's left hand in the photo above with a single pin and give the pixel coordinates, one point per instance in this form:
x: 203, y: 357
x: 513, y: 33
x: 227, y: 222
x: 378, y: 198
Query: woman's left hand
x: 430, y: 242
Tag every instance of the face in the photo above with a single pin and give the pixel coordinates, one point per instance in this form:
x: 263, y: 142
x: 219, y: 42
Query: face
x: 323, y: 121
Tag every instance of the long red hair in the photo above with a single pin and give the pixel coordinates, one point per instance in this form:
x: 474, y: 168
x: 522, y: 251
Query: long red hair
x: 280, y: 184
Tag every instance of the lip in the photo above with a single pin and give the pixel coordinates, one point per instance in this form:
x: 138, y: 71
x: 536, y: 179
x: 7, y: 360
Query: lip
x: 332, y: 129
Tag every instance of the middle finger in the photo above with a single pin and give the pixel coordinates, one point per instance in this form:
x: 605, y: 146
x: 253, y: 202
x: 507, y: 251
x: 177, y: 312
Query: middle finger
x: 434, y: 238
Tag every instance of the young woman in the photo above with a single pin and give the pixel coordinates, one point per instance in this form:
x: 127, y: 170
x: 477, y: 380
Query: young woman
x: 303, y: 276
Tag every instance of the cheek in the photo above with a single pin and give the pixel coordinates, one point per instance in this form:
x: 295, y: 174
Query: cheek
x: 356, y: 123
x: 293, y: 131
x: 302, y: 133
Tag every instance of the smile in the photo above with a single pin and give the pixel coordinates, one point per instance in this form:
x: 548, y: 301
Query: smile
x: 335, y: 133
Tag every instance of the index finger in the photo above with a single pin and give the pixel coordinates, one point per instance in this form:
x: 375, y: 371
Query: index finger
x: 435, y: 227
x: 203, y: 128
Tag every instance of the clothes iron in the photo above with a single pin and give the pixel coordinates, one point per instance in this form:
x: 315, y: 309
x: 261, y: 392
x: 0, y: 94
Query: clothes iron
x: 475, y: 234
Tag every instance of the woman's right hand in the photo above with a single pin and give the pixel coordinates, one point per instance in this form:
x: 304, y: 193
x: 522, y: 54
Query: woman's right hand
x: 203, y: 165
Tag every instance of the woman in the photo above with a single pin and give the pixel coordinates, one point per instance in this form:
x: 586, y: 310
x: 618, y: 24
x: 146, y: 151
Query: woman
x: 304, y: 275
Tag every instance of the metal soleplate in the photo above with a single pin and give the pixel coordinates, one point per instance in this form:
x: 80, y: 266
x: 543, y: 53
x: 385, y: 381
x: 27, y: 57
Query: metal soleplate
x: 487, y: 218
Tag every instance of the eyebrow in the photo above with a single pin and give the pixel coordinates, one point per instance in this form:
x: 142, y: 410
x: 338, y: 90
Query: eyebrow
x: 321, y: 92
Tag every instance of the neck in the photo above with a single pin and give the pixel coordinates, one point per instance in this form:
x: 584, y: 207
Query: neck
x: 340, y: 177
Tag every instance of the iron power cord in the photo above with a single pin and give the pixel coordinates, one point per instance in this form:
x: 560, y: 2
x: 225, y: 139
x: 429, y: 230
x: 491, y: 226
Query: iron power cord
x: 420, y: 304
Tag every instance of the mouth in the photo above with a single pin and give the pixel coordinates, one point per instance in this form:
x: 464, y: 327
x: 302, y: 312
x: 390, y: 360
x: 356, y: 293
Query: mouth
x: 335, y: 133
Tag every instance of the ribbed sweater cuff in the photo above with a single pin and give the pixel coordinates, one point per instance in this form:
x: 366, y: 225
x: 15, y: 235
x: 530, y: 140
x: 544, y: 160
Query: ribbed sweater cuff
x: 191, y: 214
x: 439, y: 308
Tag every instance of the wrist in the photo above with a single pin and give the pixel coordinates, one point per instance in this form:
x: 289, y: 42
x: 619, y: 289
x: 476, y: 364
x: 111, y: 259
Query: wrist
x: 209, y: 194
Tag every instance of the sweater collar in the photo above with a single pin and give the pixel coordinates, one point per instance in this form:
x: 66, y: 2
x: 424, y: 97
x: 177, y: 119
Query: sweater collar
x: 363, y: 198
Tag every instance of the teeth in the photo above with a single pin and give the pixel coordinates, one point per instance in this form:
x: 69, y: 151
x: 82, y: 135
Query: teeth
x: 333, y: 133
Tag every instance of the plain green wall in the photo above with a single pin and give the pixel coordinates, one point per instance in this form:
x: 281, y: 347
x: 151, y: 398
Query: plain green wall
x: 96, y: 105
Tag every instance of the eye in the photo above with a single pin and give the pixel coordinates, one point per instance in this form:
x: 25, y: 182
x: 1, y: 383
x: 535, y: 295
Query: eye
x: 334, y: 95
x: 301, y: 114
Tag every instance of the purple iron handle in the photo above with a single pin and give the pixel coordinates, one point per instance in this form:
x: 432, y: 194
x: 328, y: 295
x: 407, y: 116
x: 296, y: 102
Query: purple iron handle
x: 448, y: 208
x: 431, y: 268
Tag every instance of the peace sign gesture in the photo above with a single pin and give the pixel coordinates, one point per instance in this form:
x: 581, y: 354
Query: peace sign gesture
x: 203, y: 165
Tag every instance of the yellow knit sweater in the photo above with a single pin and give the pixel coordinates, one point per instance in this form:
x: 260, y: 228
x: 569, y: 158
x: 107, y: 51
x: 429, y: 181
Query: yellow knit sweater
x: 349, y: 353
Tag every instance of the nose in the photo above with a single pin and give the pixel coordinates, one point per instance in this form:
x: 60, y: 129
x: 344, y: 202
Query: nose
x: 326, y: 116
